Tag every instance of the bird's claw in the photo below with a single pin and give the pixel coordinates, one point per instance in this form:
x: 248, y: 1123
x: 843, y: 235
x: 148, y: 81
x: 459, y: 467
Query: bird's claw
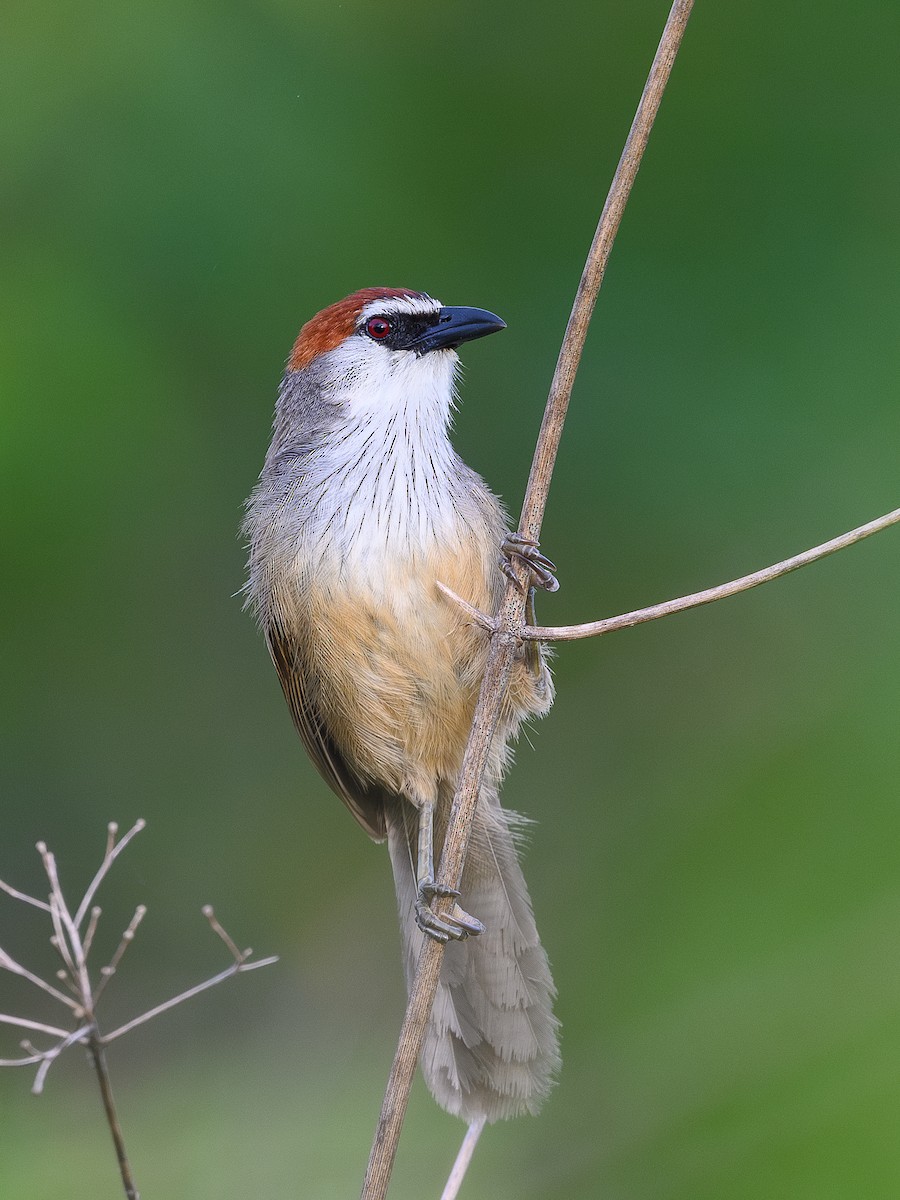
x: 456, y: 924
x: 516, y: 545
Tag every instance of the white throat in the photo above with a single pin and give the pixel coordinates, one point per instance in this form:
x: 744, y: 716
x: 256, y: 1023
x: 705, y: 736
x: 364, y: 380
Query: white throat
x: 389, y: 478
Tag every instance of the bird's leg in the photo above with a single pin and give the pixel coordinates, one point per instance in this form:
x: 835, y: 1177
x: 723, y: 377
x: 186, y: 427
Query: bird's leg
x: 516, y: 545
x: 456, y: 924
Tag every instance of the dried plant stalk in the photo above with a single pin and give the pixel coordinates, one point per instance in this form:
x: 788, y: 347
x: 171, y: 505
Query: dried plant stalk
x: 505, y: 637
x: 76, y: 975
x: 640, y: 616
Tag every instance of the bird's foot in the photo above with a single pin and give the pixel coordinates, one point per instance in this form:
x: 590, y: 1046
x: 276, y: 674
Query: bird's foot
x: 456, y: 924
x: 516, y: 545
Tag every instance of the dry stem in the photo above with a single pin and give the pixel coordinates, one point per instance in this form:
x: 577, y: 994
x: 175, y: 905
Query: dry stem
x: 113, y: 850
x: 463, y: 1158
x: 504, y: 639
x: 238, y: 968
x: 98, y: 1058
x: 639, y: 616
x: 17, y: 895
x: 76, y: 976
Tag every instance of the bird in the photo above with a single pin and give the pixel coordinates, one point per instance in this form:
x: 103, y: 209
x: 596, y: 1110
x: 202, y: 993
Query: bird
x: 362, y: 507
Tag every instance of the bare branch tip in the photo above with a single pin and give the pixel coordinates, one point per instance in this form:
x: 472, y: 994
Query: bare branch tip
x: 238, y: 955
x: 474, y: 614
x: 251, y: 965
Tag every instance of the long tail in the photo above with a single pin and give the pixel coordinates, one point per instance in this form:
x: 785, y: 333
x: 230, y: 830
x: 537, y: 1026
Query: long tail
x: 492, y: 1048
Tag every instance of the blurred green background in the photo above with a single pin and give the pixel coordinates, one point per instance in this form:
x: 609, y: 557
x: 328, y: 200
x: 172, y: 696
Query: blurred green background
x: 716, y: 861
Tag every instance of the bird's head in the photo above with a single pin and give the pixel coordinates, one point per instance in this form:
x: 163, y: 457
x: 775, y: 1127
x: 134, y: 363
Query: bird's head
x: 385, y: 337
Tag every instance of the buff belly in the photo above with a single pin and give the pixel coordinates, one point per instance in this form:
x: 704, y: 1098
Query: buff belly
x: 395, y: 669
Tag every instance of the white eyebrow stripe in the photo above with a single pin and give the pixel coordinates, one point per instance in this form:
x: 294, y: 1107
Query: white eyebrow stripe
x: 416, y: 306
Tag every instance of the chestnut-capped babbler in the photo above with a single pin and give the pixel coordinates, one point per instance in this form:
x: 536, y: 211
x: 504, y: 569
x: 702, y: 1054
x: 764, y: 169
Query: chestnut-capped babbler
x: 361, y: 507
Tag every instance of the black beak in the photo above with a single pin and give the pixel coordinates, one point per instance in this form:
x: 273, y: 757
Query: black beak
x: 455, y: 326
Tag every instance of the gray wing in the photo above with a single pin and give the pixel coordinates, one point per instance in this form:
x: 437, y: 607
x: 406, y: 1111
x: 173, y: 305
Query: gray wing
x: 366, y: 803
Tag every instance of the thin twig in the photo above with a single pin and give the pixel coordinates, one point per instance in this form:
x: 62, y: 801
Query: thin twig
x: 26, y: 899
x: 639, y: 616
x: 22, y: 1062
x: 65, y: 979
x: 7, y: 963
x: 49, y: 1057
x: 37, y: 1026
x: 74, y: 950
x: 475, y: 615
x: 239, y: 956
x: 107, y: 972
x: 96, y: 914
x: 113, y: 850
x: 504, y: 640
x: 238, y: 968
x: 59, y: 942
x: 67, y: 940
x: 463, y: 1158
x: 98, y: 1058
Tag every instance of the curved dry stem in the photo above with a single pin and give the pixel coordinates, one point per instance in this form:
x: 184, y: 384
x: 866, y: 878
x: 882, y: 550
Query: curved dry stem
x: 463, y: 1158
x: 595, y: 268
x: 504, y: 640
x: 640, y: 616
x: 112, y: 852
x: 49, y: 1057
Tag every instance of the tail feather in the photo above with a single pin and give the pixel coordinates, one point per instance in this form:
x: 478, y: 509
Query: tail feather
x: 491, y: 1048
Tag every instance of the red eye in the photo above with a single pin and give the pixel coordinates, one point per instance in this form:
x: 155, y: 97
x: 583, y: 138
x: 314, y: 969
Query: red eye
x: 378, y: 328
